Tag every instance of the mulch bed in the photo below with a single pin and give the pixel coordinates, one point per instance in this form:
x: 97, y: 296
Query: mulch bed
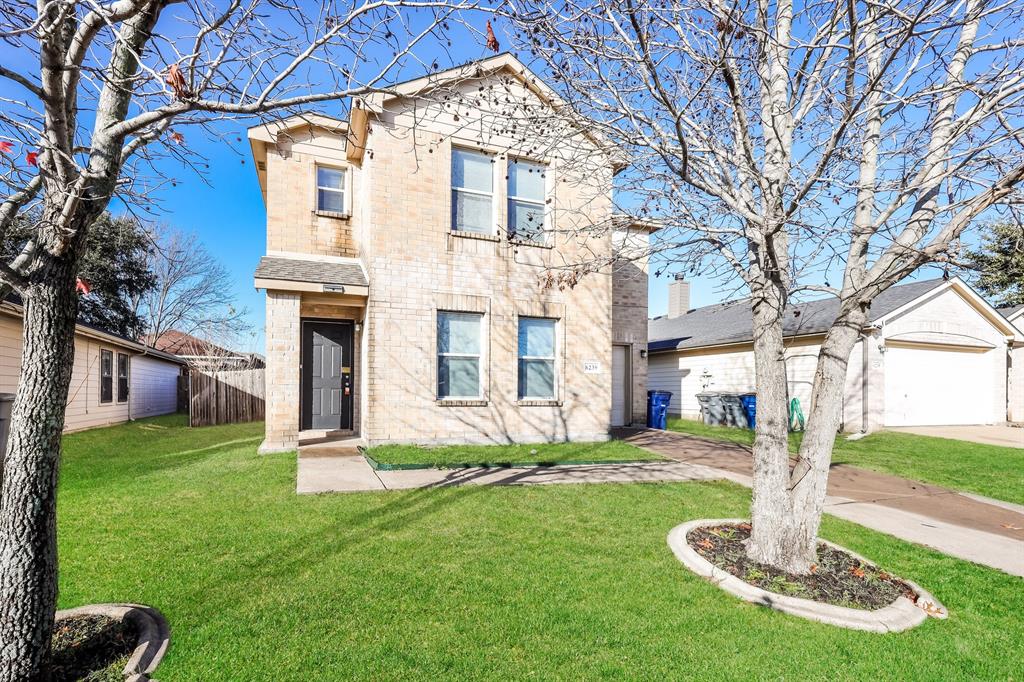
x: 90, y: 649
x: 837, y: 578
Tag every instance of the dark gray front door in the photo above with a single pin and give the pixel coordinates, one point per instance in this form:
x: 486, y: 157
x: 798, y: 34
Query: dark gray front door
x: 327, y: 375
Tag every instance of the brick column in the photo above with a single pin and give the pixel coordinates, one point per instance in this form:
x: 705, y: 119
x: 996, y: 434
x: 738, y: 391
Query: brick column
x: 283, y: 346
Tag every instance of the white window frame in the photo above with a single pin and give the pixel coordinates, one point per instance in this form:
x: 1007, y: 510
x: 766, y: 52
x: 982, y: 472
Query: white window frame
x: 479, y: 356
x: 543, y: 203
x: 475, y: 192
x: 345, y: 191
x: 553, y: 358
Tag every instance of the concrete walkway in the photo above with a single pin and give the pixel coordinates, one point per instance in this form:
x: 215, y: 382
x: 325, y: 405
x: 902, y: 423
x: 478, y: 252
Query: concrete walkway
x: 965, y: 526
x: 323, y: 473
x: 1005, y: 436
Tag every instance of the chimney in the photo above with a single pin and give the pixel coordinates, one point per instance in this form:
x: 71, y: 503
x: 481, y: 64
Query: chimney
x: 678, y: 296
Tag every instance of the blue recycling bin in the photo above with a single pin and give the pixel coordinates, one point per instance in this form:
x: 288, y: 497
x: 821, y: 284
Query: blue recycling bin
x: 750, y: 406
x: 657, y: 409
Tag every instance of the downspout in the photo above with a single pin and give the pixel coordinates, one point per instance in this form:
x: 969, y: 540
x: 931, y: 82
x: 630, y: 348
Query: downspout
x: 865, y: 383
x: 865, y: 410
x: 1010, y: 376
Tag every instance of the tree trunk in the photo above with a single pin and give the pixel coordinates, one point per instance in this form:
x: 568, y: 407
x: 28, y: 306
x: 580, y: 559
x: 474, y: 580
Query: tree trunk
x: 787, y: 507
x: 771, y: 540
x: 28, y: 504
x: 810, y: 474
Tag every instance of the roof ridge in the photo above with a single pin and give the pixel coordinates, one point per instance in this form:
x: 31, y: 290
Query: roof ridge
x: 734, y: 301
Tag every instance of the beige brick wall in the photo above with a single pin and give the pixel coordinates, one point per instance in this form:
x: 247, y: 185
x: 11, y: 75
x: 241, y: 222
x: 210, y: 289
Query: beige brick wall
x: 416, y: 266
x: 282, y: 350
x: 293, y: 224
x: 629, y: 319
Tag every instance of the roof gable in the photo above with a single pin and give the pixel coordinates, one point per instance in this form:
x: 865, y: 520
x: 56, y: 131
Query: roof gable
x: 504, y: 62
x: 382, y: 103
x: 968, y: 294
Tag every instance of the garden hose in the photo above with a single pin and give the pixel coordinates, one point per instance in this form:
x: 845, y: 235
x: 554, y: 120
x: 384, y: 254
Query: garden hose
x: 795, y: 415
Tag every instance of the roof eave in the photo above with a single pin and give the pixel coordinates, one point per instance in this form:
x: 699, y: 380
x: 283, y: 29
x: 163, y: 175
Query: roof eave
x: 100, y: 335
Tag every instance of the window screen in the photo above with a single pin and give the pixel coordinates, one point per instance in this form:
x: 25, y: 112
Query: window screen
x: 106, y: 376
x: 472, y: 192
x: 536, y: 358
x: 458, y: 355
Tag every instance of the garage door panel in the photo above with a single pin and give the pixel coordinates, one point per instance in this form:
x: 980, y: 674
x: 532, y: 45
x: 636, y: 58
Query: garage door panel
x: 936, y: 387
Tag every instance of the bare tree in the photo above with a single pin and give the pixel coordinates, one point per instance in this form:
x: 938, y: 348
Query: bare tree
x: 192, y: 291
x: 107, y: 90
x: 816, y: 147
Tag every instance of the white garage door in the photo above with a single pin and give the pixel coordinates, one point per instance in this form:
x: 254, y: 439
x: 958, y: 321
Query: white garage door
x: 620, y: 385
x: 925, y: 387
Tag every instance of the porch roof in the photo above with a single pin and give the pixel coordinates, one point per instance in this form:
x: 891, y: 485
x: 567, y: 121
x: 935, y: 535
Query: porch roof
x: 311, y: 270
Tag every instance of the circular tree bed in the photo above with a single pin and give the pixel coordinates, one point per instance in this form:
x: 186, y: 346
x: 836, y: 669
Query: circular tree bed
x: 90, y: 647
x: 842, y: 589
x: 107, y: 643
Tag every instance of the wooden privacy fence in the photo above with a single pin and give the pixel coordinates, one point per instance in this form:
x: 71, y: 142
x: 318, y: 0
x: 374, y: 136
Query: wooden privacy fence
x: 225, y: 396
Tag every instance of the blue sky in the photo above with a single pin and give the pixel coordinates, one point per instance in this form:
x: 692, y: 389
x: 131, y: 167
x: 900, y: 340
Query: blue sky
x: 229, y: 217
x: 225, y: 209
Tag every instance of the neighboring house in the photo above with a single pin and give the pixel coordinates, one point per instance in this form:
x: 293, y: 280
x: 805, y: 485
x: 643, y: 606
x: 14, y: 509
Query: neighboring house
x: 203, y: 354
x: 114, y: 379
x: 1015, y: 376
x: 405, y: 274
x: 934, y: 353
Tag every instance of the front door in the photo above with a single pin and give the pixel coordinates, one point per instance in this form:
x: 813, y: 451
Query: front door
x: 327, y: 375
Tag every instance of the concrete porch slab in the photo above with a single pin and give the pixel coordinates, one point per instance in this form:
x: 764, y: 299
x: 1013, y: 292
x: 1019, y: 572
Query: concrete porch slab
x: 327, y: 473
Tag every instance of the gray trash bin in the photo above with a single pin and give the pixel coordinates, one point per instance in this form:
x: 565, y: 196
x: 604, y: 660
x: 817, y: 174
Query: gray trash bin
x: 6, y: 401
x: 735, y: 414
x: 712, y: 410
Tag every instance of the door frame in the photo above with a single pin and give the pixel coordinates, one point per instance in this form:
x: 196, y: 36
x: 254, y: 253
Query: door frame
x: 303, y: 424
x: 628, y: 387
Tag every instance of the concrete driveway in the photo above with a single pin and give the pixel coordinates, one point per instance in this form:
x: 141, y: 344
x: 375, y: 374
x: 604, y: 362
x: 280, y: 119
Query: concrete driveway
x: 1006, y: 436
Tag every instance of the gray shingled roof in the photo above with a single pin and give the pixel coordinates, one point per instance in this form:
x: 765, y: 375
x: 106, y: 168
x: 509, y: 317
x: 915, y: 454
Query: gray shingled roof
x: 316, y: 271
x: 730, y: 322
x: 1010, y: 310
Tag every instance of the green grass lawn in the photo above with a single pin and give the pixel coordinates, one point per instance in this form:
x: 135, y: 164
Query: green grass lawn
x: 561, y: 581
x: 503, y: 455
x: 973, y: 467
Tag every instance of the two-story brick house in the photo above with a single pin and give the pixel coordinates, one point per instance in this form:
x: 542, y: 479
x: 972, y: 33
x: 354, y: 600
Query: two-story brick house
x: 408, y: 271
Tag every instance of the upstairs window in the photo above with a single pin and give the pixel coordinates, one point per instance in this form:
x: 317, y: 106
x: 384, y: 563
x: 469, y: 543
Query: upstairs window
x: 526, y: 197
x: 122, y: 377
x: 472, y: 192
x: 330, y: 190
x: 536, y: 358
x: 106, y: 376
x: 458, y: 355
